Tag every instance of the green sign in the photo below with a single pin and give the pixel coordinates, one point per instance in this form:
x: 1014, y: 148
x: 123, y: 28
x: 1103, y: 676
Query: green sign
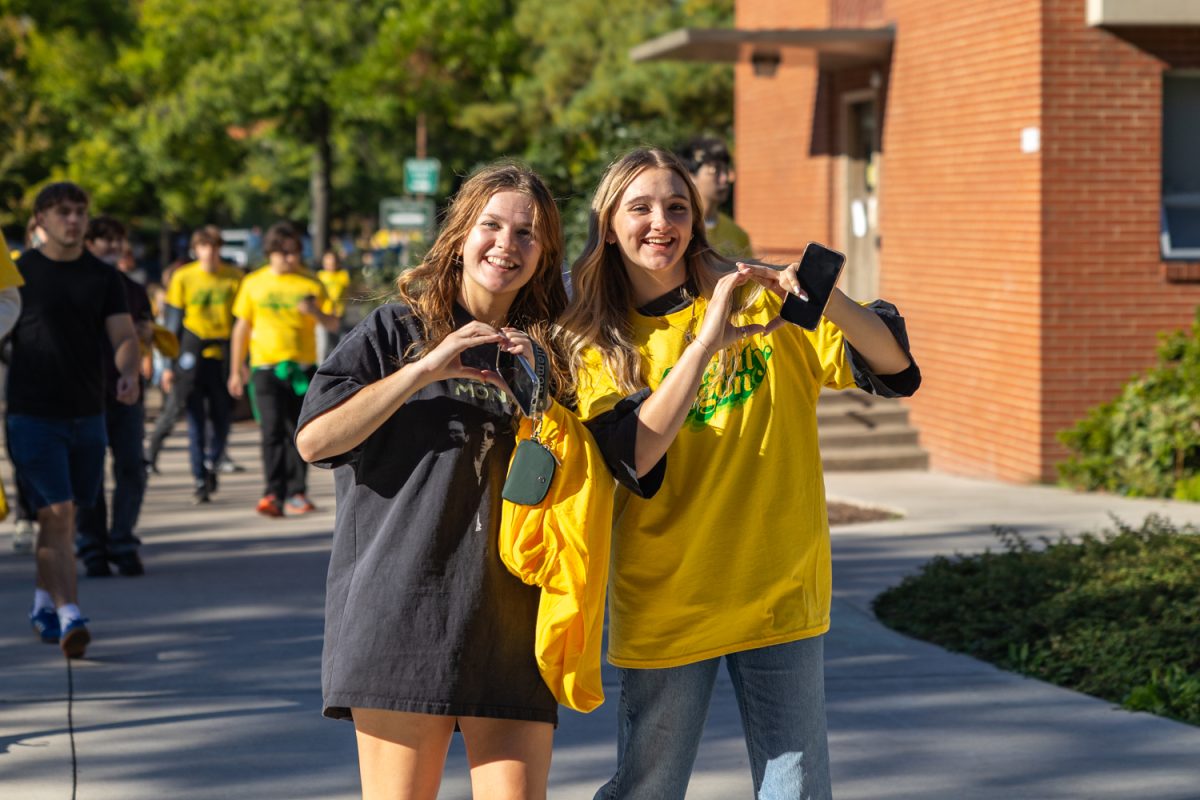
x: 406, y: 214
x: 421, y: 175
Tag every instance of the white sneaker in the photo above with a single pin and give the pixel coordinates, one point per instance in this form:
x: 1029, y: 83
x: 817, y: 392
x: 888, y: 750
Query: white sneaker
x: 23, y: 537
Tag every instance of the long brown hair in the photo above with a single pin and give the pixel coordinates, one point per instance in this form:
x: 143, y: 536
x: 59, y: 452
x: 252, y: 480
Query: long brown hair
x: 431, y: 288
x: 598, y: 315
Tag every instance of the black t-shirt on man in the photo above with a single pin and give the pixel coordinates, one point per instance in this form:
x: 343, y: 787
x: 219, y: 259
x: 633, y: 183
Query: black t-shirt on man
x: 57, y: 367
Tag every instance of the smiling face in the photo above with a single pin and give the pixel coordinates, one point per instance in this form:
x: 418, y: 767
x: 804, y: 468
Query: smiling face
x: 652, y: 227
x: 501, y: 252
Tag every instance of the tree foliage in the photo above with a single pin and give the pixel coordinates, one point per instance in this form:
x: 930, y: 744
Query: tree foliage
x: 225, y: 110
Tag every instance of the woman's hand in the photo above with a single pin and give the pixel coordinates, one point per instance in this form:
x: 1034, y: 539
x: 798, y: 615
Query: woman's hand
x: 716, y: 331
x: 781, y: 280
x: 445, y: 361
x: 519, y: 343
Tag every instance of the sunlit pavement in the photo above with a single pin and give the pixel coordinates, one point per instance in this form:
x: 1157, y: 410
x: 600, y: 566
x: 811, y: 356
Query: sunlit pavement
x: 203, y: 678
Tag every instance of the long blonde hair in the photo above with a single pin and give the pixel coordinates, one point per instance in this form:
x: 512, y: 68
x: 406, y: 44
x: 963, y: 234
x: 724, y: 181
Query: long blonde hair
x: 431, y: 288
x: 598, y: 314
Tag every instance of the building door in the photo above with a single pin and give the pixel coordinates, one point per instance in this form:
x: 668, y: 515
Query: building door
x: 861, y: 146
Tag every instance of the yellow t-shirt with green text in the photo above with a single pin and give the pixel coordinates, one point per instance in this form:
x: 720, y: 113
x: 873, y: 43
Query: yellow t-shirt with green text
x: 281, y: 332
x: 206, y: 300
x: 732, y: 553
x: 10, y: 276
x: 336, y: 282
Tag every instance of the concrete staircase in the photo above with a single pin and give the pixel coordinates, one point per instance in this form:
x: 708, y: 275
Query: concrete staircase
x: 859, y: 431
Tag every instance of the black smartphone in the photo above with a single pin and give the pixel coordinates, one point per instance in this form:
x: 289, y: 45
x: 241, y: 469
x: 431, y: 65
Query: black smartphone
x: 521, y: 379
x: 819, y: 271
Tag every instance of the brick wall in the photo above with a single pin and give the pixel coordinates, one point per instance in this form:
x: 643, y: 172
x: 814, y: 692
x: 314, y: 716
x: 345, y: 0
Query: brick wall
x: 959, y: 213
x: 1032, y: 282
x: 782, y: 194
x: 1106, y: 292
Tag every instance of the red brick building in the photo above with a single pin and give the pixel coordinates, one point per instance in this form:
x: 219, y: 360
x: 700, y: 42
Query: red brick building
x: 1022, y: 178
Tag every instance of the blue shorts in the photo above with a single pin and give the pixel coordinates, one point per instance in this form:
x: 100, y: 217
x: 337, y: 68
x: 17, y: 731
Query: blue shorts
x: 58, y: 459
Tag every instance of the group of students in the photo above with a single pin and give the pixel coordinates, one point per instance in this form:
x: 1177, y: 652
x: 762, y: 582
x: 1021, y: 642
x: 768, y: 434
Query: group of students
x: 81, y: 331
x: 702, y: 402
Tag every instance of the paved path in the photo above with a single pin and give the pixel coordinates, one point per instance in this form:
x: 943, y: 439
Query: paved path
x: 203, y: 677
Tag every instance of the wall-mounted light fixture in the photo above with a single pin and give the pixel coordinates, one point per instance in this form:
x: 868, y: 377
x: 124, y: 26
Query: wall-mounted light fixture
x: 765, y: 62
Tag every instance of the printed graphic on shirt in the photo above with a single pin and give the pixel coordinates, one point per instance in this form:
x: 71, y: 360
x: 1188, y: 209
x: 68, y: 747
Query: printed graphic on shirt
x: 731, y: 385
x: 483, y: 391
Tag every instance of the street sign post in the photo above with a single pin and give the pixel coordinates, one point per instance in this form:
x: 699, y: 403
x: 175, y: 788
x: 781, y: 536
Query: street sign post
x: 421, y: 175
x: 407, y: 214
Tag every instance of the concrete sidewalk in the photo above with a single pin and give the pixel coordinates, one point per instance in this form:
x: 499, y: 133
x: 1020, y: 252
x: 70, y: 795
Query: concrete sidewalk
x: 203, y: 677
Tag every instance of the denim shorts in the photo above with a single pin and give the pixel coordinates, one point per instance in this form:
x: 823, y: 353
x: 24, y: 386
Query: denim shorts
x: 58, y: 458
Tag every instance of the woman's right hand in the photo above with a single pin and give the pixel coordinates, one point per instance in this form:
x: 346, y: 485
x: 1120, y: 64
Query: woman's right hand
x: 444, y: 362
x: 717, y: 331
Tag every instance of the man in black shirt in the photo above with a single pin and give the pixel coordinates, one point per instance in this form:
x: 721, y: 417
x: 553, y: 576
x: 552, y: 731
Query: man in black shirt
x: 71, y: 301
x: 97, y: 542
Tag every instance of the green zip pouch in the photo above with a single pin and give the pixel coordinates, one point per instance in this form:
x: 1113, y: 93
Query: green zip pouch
x: 530, y: 473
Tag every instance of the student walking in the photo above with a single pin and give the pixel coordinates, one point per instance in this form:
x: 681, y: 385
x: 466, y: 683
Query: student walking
x: 199, y: 311
x: 687, y: 376
x: 100, y: 541
x: 71, y: 302
x: 425, y: 628
x: 336, y: 281
x: 277, y: 308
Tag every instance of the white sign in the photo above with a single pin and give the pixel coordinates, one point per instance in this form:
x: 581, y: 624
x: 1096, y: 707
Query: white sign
x: 1031, y: 140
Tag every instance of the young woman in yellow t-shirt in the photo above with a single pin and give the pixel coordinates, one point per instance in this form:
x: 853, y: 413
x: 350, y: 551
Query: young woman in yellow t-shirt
x: 704, y: 402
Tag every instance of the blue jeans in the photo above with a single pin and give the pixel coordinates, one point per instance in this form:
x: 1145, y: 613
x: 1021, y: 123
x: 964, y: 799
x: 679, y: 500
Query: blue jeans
x: 57, y: 459
x: 95, y: 539
x: 780, y: 692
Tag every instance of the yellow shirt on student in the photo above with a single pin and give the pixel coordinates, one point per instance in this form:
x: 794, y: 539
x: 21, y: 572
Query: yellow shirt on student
x: 281, y: 332
x: 9, y: 275
x: 562, y: 545
x: 732, y: 553
x: 206, y: 300
x: 336, y: 282
x: 728, y: 238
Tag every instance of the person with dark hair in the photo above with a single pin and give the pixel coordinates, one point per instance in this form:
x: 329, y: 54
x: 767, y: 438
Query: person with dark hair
x: 689, y: 377
x: 199, y: 311
x: 277, y: 309
x: 708, y: 162
x: 426, y: 630
x: 72, y: 302
x: 97, y: 542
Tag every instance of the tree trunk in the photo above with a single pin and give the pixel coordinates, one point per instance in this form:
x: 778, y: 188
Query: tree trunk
x: 319, y: 184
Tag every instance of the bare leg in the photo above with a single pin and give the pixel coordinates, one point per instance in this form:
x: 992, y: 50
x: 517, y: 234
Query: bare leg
x: 510, y: 759
x: 401, y: 755
x: 56, y: 552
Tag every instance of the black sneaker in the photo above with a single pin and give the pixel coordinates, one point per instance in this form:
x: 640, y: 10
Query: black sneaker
x: 210, y: 481
x: 129, y: 565
x: 200, y: 495
x: 97, y: 568
x: 229, y: 466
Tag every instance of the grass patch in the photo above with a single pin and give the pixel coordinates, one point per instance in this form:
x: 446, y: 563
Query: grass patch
x: 1114, y: 614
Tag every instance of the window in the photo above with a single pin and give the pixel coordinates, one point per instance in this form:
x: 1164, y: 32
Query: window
x: 1181, y: 165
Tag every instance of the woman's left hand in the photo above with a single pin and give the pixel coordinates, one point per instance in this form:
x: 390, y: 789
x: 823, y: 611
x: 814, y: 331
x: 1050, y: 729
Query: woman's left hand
x: 781, y: 280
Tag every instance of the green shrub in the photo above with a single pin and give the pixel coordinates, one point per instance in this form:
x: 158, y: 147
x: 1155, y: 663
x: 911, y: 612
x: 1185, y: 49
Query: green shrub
x: 1146, y: 443
x: 1114, y: 614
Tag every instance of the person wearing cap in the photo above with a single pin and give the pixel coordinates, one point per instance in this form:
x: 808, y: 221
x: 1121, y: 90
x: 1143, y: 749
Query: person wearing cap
x: 708, y: 161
